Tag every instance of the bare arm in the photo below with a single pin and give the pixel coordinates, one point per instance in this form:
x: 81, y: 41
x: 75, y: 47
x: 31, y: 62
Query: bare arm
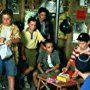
x: 23, y: 52
x: 84, y: 75
x: 15, y: 41
x: 88, y: 53
x: 39, y: 67
x: 2, y: 39
x: 53, y: 68
x: 67, y: 67
x: 68, y: 64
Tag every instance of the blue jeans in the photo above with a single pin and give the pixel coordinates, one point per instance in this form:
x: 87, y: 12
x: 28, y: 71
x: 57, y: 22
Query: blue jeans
x: 8, y: 65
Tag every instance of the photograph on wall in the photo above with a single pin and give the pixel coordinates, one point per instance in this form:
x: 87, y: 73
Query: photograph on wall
x: 83, y: 2
x: 13, y: 5
x: 78, y: 28
x: 88, y: 8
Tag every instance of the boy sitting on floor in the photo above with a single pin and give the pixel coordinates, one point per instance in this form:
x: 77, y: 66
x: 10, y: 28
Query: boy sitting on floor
x: 48, y: 61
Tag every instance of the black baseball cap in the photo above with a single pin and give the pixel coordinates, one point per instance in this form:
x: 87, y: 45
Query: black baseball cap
x: 84, y: 37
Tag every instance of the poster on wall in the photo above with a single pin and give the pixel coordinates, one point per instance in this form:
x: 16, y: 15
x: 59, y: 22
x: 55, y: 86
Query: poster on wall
x: 88, y: 9
x: 13, y: 5
x: 78, y: 28
x: 81, y: 14
x: 83, y: 2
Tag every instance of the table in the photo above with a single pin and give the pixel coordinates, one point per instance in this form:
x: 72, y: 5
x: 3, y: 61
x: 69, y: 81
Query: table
x: 43, y: 83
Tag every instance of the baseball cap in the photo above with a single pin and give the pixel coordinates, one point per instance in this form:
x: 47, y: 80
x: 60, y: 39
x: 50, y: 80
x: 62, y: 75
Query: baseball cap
x: 84, y: 37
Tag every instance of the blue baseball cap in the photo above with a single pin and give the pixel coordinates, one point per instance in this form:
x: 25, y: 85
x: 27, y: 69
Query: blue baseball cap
x: 83, y: 63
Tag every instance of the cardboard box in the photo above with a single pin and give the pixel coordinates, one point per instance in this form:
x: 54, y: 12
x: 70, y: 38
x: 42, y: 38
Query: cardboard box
x: 63, y: 77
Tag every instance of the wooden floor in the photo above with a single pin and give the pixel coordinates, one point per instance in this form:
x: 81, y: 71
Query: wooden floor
x: 26, y: 87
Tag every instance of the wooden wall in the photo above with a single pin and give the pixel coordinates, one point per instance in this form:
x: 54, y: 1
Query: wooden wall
x: 33, y: 4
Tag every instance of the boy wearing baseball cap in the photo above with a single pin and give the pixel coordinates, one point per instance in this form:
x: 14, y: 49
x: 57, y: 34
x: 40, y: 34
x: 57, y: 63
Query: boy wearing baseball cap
x: 83, y: 47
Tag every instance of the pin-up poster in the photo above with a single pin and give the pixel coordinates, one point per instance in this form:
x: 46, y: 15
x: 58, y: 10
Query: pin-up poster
x: 81, y: 14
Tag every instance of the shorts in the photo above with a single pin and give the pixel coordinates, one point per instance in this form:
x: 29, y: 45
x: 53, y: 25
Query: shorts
x: 31, y: 57
x: 8, y: 66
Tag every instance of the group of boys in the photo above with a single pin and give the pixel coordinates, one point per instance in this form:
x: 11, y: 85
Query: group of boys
x: 48, y: 59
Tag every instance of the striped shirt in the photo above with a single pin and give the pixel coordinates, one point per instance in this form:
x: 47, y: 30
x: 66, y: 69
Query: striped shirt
x: 76, y: 53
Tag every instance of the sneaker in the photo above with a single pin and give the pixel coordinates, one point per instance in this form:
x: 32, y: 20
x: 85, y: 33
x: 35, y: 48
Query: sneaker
x: 21, y: 81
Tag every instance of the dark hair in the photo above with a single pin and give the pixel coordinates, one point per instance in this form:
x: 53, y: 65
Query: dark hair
x: 8, y: 12
x: 43, y: 9
x: 48, y: 41
x: 84, y: 37
x: 32, y: 19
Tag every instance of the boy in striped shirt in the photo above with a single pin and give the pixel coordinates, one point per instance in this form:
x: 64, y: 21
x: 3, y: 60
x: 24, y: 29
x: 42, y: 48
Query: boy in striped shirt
x: 83, y: 47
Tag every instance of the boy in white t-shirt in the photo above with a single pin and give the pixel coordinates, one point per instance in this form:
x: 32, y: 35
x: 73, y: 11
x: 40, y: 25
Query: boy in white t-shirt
x: 9, y: 36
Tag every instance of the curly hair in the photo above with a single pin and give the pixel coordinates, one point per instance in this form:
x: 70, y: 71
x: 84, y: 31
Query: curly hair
x: 43, y: 9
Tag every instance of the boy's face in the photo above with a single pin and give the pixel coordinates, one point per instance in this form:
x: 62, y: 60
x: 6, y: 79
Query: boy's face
x: 6, y: 20
x: 83, y: 45
x: 49, y: 47
x: 32, y: 25
x: 42, y: 16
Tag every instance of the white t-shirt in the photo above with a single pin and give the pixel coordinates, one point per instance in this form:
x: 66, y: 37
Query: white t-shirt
x: 5, y: 32
x: 49, y: 61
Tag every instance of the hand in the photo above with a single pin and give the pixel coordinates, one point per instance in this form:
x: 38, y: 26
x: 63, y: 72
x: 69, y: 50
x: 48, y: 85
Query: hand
x: 23, y: 58
x: 43, y: 47
x: 47, y: 71
x: 2, y: 39
x: 48, y: 36
x: 75, y: 75
x: 8, y: 43
x: 57, y: 71
x: 64, y: 69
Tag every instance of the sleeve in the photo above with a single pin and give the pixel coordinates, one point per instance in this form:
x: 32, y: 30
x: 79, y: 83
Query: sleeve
x: 40, y: 58
x: 40, y: 37
x: 57, y: 59
x: 73, y: 56
x: 16, y: 32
